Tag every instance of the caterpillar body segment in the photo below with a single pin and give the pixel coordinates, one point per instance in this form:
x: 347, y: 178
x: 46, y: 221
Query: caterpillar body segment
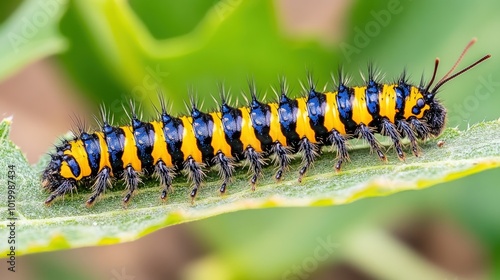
x: 254, y: 133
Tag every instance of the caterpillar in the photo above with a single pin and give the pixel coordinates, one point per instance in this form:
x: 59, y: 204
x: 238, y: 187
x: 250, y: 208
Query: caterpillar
x: 168, y: 145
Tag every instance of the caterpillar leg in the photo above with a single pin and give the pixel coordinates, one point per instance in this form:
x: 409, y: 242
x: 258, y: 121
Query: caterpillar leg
x: 406, y: 131
x: 389, y: 129
x: 65, y: 185
x: 282, y: 159
x: 256, y: 162
x: 132, y: 181
x: 195, y: 175
x: 420, y: 128
x: 101, y: 182
x: 339, y: 142
x: 165, y: 175
x: 310, y: 152
x: 226, y: 169
x: 366, y: 133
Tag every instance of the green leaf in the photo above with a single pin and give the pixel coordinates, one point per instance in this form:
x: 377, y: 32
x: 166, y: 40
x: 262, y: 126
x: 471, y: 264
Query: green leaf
x: 69, y: 224
x: 31, y: 33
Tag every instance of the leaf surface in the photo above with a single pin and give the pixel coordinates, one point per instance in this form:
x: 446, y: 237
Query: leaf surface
x: 69, y: 224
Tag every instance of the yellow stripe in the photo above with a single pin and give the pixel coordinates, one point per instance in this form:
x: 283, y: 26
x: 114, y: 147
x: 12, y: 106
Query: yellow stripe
x: 275, y: 127
x: 104, y: 161
x: 387, y: 102
x: 160, y: 145
x: 360, y: 113
x: 79, y: 153
x: 66, y: 172
x: 303, y: 127
x: 332, y: 118
x: 248, y: 137
x: 189, y: 146
x: 130, y: 150
x: 411, y: 101
x: 218, y: 136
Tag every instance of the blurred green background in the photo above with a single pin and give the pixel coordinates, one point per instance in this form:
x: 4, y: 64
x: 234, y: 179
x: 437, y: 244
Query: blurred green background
x: 63, y: 56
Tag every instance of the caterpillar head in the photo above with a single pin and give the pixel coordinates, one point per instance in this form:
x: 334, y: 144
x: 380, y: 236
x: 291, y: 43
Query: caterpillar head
x: 436, y: 115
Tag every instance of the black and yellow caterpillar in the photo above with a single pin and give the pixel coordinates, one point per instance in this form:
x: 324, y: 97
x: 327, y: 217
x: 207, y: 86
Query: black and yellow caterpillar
x: 259, y: 130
